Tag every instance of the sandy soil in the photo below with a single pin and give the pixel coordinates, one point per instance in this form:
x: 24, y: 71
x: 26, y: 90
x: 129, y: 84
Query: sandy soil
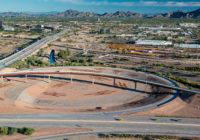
x: 67, y: 91
x: 64, y: 90
x: 61, y: 90
x: 9, y: 44
x: 8, y: 70
x: 177, y: 108
x: 39, y: 132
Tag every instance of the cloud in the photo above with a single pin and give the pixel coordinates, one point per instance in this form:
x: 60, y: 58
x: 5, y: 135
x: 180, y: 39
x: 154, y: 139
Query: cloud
x: 182, y: 4
x: 71, y: 1
x: 141, y: 3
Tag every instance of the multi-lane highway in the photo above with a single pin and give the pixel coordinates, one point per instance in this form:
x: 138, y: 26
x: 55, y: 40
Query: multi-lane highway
x: 104, y: 124
x: 29, y: 50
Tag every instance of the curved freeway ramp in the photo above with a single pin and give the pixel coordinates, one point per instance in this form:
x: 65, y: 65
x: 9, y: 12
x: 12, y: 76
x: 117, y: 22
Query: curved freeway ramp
x: 138, y: 77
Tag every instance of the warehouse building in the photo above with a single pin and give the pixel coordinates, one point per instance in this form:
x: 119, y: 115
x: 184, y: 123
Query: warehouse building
x: 153, y: 42
x: 187, y: 45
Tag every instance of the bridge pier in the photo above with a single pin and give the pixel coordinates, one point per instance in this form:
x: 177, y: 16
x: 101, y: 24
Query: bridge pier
x: 157, y: 89
x: 114, y: 80
x: 92, y: 80
x: 44, y: 77
x: 71, y: 80
x: 135, y: 83
x: 49, y: 78
x: 26, y: 79
x: 2, y: 80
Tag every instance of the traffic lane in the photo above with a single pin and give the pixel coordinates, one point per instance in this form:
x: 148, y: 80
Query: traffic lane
x: 98, y: 117
x: 111, y: 126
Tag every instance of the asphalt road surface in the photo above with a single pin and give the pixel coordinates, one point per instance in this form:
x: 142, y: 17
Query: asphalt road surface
x: 104, y: 123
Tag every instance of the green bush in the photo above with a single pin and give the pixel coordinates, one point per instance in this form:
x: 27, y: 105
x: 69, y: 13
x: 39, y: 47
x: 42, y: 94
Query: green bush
x: 41, y: 52
x: 3, y: 130
x: 64, y: 53
x: 90, y: 60
x: 82, y: 61
x: 161, y: 65
x: 124, y: 59
x: 12, y: 131
x: 26, y: 131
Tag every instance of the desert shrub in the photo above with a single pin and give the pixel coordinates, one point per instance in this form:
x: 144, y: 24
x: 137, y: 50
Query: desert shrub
x: 3, y: 130
x: 12, y: 131
x: 26, y: 131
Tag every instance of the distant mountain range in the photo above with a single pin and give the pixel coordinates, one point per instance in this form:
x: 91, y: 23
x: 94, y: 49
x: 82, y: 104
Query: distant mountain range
x: 180, y: 14
x: 118, y: 14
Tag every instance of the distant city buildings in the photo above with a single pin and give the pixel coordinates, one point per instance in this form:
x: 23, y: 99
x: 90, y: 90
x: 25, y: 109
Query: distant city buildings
x: 45, y: 28
x: 74, y: 22
x: 1, y: 24
x: 6, y: 28
x: 98, y: 20
x: 9, y: 29
x: 104, y: 31
x: 192, y: 25
x: 125, y: 35
x: 159, y: 28
x: 40, y: 26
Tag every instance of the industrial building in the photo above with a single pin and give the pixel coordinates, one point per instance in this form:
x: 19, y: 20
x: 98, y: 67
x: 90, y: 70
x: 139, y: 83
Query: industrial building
x: 153, y: 42
x: 159, y: 28
x: 9, y: 29
x: 187, y: 45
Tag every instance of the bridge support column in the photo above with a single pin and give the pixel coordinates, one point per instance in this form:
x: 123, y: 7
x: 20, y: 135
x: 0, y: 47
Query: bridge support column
x: 2, y: 81
x: 49, y: 78
x: 157, y: 89
x: 71, y: 80
x: 114, y: 80
x: 135, y: 85
x: 44, y: 77
x: 26, y: 79
x: 92, y: 80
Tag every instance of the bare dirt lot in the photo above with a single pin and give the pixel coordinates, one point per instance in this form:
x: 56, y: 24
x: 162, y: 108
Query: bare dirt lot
x: 10, y: 44
x: 181, y: 107
x: 71, y: 92
x: 41, y: 96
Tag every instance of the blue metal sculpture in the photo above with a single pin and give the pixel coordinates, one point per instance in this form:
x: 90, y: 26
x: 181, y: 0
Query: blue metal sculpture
x: 52, y: 57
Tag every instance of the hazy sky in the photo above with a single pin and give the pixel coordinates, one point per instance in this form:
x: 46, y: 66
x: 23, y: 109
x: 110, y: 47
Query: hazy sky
x: 99, y: 6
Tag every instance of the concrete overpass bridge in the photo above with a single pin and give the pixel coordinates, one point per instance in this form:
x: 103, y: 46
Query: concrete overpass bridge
x: 46, y: 72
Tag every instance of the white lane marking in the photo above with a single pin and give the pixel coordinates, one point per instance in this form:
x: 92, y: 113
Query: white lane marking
x: 98, y: 121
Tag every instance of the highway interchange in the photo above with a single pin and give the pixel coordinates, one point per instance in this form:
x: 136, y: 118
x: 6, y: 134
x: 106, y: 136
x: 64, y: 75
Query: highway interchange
x: 100, y: 122
x: 173, y: 87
